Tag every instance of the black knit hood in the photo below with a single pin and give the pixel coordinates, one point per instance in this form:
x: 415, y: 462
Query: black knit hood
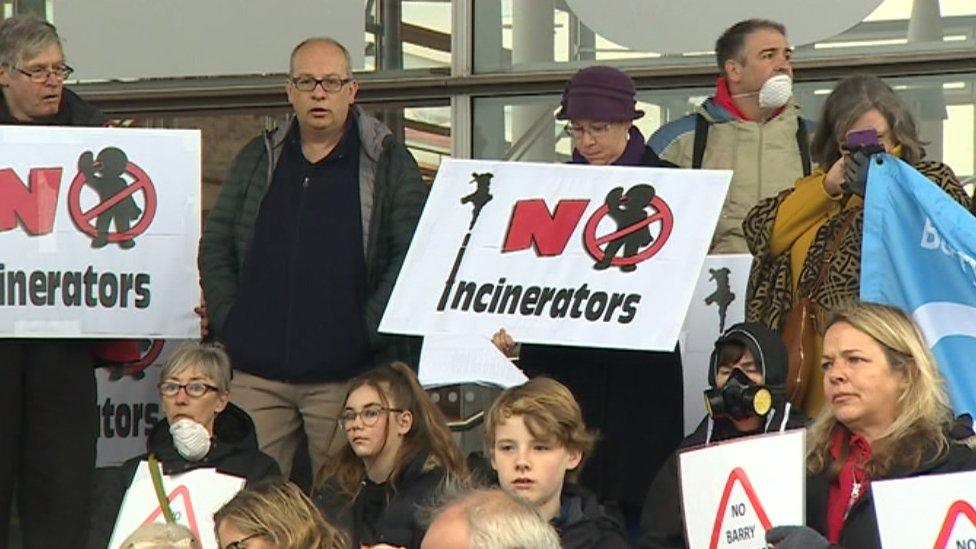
x: 767, y: 350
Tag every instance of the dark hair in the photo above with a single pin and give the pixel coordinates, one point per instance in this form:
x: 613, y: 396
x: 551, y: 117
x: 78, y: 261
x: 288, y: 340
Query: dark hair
x: 851, y: 98
x: 732, y: 42
x: 729, y: 353
x: 398, y: 387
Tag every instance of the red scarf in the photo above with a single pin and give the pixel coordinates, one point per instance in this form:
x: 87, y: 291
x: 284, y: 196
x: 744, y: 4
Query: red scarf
x: 724, y: 99
x: 842, y: 494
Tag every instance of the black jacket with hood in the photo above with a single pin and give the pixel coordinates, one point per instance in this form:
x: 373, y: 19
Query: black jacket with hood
x: 661, y: 524
x: 584, y: 524
x: 234, y: 451
x: 386, y: 512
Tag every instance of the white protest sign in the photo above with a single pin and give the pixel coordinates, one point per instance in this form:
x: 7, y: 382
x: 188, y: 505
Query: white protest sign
x: 732, y: 492
x: 194, y: 497
x: 717, y: 303
x: 936, y: 511
x: 129, y: 403
x: 99, y: 231
x: 562, y: 254
x: 458, y: 358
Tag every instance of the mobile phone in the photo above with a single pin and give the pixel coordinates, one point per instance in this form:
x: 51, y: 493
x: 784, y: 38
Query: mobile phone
x: 861, y: 139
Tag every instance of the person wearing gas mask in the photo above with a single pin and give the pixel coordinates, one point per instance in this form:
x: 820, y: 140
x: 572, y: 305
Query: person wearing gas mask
x: 806, y: 241
x: 202, y: 429
x: 746, y: 374
x: 750, y: 125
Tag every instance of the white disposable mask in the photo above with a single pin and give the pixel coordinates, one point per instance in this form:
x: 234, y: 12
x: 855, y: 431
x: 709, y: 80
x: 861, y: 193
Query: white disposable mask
x: 775, y: 92
x: 191, y: 439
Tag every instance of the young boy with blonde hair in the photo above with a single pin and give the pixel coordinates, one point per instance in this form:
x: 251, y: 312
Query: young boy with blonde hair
x: 537, y: 443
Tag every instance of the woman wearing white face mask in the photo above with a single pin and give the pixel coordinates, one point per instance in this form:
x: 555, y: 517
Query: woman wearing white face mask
x: 202, y: 429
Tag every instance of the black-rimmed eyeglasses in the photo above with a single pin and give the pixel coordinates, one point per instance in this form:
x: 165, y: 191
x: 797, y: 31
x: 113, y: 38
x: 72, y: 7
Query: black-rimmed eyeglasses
x: 195, y: 389
x: 307, y: 83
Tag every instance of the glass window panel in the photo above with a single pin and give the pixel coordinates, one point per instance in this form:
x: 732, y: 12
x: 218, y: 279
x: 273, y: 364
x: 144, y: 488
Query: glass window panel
x: 421, y: 42
x: 510, y: 35
x: 515, y: 128
x: 400, y: 35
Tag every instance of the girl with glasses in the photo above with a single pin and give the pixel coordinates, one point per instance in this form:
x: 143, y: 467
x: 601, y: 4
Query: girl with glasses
x: 400, y: 451
x: 202, y: 429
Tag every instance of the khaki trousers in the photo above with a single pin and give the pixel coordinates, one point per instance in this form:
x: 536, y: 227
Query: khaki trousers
x: 280, y: 410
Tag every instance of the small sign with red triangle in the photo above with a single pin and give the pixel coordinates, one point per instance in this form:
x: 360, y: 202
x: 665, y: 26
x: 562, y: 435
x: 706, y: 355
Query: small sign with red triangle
x: 733, y: 492
x: 182, y: 507
x: 747, y: 520
x: 194, y: 497
x: 958, y: 528
x: 937, y: 511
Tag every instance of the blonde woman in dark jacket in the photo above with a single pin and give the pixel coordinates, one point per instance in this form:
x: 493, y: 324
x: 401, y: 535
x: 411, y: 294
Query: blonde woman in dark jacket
x: 886, y: 416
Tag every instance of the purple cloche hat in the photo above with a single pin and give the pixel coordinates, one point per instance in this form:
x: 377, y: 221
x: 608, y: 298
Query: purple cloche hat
x: 599, y: 93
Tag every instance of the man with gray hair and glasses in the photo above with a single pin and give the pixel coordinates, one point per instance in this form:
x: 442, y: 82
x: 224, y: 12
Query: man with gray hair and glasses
x: 32, y: 75
x: 300, y: 253
x: 48, y: 413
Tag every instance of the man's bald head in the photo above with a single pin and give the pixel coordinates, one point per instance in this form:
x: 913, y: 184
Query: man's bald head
x: 489, y: 519
x: 321, y: 40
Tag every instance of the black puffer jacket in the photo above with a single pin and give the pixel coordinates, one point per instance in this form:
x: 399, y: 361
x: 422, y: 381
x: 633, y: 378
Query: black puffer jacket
x: 861, y: 527
x: 234, y: 451
x: 583, y: 524
x: 382, y: 513
x: 661, y: 524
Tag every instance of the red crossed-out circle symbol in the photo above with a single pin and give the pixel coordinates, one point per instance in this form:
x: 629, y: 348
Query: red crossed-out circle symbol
x: 83, y: 219
x: 661, y: 214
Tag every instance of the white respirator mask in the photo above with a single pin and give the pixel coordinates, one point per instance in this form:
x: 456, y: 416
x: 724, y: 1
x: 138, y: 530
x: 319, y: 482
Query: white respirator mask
x: 776, y: 91
x: 191, y: 439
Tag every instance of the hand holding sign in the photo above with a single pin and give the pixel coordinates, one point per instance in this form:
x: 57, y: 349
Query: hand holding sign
x: 533, y: 247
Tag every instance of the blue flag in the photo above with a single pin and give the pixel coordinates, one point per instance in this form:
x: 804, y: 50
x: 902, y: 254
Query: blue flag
x: 919, y: 254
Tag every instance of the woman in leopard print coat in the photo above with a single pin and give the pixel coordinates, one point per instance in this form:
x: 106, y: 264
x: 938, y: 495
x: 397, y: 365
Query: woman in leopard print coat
x: 792, y: 235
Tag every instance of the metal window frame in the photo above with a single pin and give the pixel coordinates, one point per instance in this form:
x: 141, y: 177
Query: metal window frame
x: 413, y: 88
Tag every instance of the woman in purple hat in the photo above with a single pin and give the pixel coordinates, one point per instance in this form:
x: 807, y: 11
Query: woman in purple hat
x: 600, y: 104
x: 613, y: 387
